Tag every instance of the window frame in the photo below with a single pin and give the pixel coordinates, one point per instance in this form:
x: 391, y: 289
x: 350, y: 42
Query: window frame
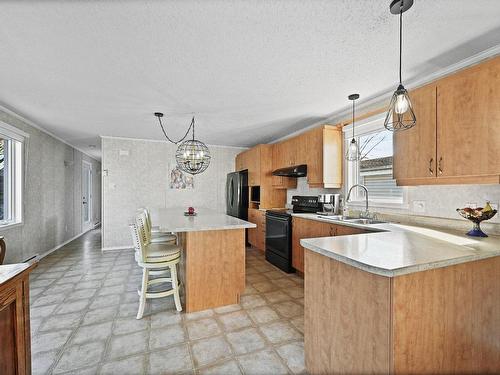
x: 14, y: 159
x: 367, y: 126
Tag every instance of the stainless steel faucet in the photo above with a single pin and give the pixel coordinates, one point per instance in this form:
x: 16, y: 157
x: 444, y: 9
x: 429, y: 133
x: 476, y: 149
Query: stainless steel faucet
x: 367, y: 214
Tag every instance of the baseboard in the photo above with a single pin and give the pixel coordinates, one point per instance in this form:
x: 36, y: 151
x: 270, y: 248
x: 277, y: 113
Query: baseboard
x: 115, y: 248
x: 62, y: 244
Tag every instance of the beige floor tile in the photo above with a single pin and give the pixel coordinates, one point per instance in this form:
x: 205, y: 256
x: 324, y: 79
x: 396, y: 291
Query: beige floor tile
x: 131, y: 365
x: 167, y: 336
x: 91, y: 333
x: 289, y: 309
x: 170, y: 361
x: 210, y: 350
x: 280, y: 331
x: 252, y: 301
x: 263, y: 362
x: 246, y: 341
x: 276, y: 296
x: 77, y: 356
x: 202, y: 328
x: 293, y: 355
x: 235, y: 320
x: 133, y: 343
x: 263, y: 314
x: 226, y: 368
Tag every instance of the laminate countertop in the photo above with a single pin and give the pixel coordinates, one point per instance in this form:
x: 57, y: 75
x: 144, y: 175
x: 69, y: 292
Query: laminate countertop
x: 173, y: 220
x: 395, y: 249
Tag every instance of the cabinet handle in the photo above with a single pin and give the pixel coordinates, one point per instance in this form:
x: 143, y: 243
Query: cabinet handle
x: 440, y: 168
x: 431, y: 171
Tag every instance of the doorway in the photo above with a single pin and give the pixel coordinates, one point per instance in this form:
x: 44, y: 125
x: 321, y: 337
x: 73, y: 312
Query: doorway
x: 87, y: 222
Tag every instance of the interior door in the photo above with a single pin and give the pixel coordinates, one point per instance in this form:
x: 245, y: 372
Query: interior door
x: 86, y: 196
x: 468, y: 121
x: 415, y: 148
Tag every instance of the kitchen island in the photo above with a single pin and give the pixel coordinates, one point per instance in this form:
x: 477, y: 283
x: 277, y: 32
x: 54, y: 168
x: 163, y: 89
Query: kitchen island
x: 402, y: 300
x: 212, y: 269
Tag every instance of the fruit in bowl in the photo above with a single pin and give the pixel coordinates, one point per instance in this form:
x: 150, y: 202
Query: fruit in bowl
x: 476, y: 215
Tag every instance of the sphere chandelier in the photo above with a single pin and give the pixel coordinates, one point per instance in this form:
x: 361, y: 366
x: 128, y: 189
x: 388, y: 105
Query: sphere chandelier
x: 192, y: 156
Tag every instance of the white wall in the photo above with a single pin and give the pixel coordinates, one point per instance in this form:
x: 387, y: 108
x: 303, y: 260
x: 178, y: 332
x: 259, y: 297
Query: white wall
x: 52, y: 194
x: 141, y: 179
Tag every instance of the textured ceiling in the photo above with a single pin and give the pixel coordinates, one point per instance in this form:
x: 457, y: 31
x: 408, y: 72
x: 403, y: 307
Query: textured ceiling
x: 251, y: 71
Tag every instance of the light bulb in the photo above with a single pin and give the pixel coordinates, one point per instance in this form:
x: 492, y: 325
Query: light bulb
x: 401, y: 105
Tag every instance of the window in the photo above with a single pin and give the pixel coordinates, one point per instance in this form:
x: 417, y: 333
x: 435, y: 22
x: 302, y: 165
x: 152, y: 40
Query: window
x: 374, y: 169
x: 11, y: 167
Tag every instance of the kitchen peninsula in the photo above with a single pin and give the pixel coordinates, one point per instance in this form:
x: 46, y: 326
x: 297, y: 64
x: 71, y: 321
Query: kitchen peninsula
x: 403, y: 300
x: 212, y: 270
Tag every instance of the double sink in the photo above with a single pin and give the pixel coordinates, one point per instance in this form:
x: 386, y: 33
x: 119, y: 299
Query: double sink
x: 353, y: 220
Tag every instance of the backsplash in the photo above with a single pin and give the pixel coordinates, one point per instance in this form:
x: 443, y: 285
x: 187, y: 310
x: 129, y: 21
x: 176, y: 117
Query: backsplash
x: 427, y: 205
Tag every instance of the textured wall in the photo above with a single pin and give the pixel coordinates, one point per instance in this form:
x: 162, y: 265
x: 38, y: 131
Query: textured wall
x: 141, y: 178
x: 52, y: 194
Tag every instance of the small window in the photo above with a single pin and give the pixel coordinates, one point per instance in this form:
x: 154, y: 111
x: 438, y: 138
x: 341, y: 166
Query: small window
x: 374, y: 169
x: 11, y: 167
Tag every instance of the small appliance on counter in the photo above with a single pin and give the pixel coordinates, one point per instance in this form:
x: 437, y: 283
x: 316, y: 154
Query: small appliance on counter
x: 279, y: 231
x: 329, y: 204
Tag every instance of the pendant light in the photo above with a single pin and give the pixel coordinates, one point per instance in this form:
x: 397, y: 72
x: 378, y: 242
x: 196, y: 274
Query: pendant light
x: 353, y: 149
x: 192, y: 156
x: 400, y: 115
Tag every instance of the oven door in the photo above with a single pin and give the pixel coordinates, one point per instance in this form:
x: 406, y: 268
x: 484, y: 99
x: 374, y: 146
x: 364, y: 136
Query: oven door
x: 278, y: 235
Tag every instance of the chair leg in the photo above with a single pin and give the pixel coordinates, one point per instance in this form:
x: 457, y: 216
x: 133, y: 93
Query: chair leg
x: 142, y: 294
x: 175, y: 287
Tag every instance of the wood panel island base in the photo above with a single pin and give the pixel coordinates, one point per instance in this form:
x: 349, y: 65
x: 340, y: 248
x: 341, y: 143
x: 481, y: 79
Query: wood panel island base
x: 212, y: 268
x: 437, y: 321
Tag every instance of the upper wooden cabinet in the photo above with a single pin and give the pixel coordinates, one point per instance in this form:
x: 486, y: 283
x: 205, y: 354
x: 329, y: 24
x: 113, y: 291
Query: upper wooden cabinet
x: 468, y: 123
x: 457, y: 136
x: 324, y: 156
x: 415, y: 148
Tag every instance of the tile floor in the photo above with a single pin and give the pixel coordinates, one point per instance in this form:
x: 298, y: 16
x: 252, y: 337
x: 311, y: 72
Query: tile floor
x: 83, y: 306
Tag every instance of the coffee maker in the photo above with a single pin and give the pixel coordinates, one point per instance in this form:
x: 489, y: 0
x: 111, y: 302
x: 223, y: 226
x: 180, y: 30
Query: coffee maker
x: 329, y: 204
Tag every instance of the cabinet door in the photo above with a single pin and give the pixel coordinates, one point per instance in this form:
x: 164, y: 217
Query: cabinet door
x: 344, y: 230
x: 415, y: 148
x: 314, y: 140
x: 254, y: 166
x: 468, y: 122
x: 280, y: 160
x: 252, y: 232
x: 304, y: 228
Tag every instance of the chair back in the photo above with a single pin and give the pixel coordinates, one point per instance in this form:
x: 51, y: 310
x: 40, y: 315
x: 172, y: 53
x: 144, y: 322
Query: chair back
x: 140, y: 236
x: 147, y: 221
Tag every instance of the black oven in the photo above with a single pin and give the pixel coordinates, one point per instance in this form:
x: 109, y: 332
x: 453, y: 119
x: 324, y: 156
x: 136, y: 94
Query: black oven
x: 279, y: 239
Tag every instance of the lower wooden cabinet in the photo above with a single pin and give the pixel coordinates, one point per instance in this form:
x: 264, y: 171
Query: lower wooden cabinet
x: 307, y: 228
x: 257, y: 236
x: 15, y: 337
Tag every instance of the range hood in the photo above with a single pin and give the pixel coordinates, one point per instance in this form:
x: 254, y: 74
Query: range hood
x: 295, y: 171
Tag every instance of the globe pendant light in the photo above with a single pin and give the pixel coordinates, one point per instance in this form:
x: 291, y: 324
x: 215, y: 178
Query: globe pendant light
x: 400, y: 115
x: 353, y: 149
x: 192, y: 156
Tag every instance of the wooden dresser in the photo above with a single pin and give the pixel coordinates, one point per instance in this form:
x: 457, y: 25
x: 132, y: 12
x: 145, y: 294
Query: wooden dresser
x: 15, y: 337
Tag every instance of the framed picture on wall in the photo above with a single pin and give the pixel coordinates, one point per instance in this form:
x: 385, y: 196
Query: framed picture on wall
x: 180, y: 179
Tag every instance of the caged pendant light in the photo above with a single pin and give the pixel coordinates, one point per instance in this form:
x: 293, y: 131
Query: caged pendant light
x: 353, y: 153
x: 400, y: 115
x: 192, y: 156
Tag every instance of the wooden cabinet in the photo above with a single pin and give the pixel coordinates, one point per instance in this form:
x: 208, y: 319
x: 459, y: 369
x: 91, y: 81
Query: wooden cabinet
x: 468, y: 122
x: 324, y: 157
x: 457, y: 135
x: 415, y: 148
x: 438, y: 321
x: 280, y: 160
x: 241, y: 161
x: 15, y: 353
x: 257, y: 236
x: 307, y: 228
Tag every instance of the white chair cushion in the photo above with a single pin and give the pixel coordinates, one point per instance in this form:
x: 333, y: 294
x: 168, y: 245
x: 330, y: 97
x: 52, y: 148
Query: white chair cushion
x: 161, y: 253
x: 164, y: 238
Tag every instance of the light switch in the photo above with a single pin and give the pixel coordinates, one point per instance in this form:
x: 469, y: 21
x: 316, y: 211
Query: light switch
x: 124, y: 152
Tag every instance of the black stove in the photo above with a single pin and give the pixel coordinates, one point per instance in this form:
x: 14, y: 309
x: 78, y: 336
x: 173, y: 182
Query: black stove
x: 279, y: 231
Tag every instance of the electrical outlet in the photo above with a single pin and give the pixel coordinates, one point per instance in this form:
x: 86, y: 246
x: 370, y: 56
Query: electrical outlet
x: 419, y: 206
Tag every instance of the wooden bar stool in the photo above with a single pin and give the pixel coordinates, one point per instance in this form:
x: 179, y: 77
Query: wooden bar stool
x: 156, y: 259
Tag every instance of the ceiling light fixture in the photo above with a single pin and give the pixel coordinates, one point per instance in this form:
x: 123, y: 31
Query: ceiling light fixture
x: 353, y: 149
x: 192, y: 156
x: 400, y: 115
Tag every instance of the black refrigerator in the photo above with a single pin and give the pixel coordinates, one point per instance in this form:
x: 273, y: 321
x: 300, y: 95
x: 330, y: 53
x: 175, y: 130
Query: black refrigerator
x: 237, y: 195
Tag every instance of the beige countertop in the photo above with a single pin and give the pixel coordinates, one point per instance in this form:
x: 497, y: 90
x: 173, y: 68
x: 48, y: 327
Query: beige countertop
x: 173, y: 220
x: 395, y: 249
